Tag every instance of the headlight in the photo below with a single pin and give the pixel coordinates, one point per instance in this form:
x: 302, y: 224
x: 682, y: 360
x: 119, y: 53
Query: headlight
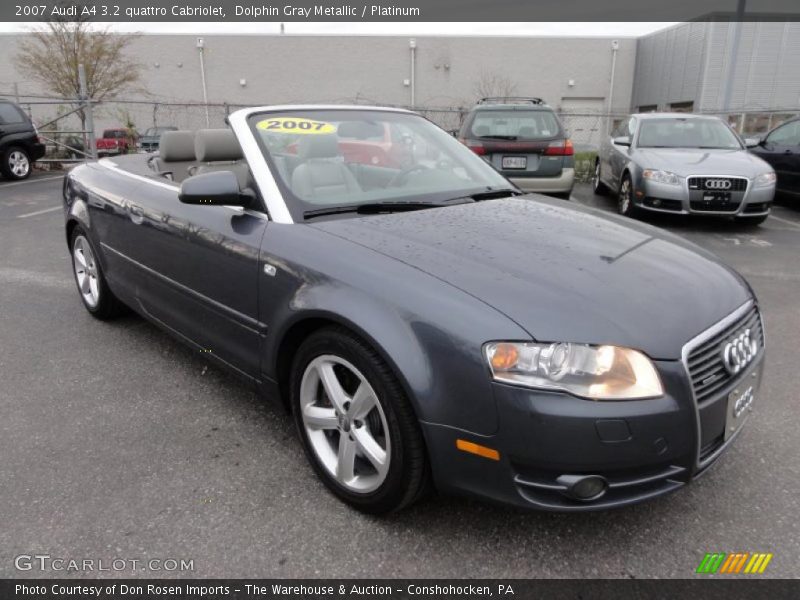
x: 766, y: 179
x: 661, y: 176
x: 595, y: 372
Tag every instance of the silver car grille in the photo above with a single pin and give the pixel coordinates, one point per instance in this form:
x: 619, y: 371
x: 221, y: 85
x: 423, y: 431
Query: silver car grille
x: 705, y: 363
x: 720, y: 184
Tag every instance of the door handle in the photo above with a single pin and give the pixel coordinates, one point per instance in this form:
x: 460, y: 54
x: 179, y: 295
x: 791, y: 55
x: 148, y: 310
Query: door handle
x: 136, y: 213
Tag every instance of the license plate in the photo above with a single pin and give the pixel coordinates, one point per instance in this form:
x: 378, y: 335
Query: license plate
x: 717, y: 197
x: 740, y: 403
x: 515, y: 162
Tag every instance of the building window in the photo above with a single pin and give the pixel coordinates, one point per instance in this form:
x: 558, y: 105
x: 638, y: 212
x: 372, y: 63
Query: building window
x: 686, y: 107
x: 648, y: 108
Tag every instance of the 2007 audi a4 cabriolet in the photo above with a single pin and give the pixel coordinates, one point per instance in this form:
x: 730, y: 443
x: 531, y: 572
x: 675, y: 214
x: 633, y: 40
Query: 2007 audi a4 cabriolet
x: 425, y: 322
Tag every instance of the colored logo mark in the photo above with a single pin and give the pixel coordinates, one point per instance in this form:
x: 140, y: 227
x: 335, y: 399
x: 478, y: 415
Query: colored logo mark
x: 735, y: 563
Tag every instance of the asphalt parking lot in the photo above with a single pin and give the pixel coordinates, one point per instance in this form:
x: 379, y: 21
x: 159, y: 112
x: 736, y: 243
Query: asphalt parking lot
x: 116, y: 441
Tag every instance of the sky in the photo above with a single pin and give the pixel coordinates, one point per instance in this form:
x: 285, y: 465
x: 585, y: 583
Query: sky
x: 477, y: 29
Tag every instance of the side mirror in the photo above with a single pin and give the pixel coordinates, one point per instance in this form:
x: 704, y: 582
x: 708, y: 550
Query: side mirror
x: 752, y: 142
x: 219, y: 188
x: 622, y: 141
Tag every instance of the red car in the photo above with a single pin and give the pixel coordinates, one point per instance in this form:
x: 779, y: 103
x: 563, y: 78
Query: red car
x: 116, y: 141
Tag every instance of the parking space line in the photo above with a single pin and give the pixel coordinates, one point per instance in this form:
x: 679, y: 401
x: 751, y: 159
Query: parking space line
x: 38, y: 212
x: 782, y: 220
x: 36, y: 180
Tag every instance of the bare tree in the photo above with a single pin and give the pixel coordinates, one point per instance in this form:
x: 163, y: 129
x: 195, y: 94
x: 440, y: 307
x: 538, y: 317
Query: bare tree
x: 51, y: 54
x: 495, y: 85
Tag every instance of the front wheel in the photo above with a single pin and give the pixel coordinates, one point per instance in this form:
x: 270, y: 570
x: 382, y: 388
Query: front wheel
x: 598, y: 187
x: 16, y: 164
x: 96, y: 296
x: 625, y: 204
x: 357, y: 427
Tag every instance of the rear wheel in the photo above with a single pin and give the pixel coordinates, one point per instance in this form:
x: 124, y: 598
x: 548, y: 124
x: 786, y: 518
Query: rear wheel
x: 625, y: 203
x: 95, y: 294
x: 16, y: 164
x: 598, y: 187
x: 356, y: 425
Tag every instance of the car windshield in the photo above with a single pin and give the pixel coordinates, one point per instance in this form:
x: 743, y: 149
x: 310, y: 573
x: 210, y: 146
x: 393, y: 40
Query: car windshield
x: 323, y: 159
x: 515, y: 125
x: 686, y: 133
x: 156, y: 131
x: 112, y: 134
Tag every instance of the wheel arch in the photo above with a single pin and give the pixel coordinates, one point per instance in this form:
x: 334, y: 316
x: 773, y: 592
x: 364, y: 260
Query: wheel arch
x: 305, y: 324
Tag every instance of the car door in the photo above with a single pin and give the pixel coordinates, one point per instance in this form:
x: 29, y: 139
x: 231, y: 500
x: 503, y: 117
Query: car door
x: 197, y: 272
x: 619, y: 155
x: 781, y: 149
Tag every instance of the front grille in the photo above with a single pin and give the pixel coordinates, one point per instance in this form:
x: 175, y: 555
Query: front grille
x: 706, y: 369
x: 738, y: 184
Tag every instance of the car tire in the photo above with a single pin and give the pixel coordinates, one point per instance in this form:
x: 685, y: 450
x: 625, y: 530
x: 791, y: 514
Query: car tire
x: 340, y: 386
x: 625, y: 204
x: 751, y: 221
x: 16, y: 163
x: 95, y: 294
x: 598, y: 187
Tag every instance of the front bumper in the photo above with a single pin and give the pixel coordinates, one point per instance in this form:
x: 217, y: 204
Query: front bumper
x: 643, y: 449
x: 679, y: 199
x: 551, y: 185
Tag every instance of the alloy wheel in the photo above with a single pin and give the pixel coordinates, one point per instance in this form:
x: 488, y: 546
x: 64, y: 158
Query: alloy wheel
x: 345, y: 423
x: 596, y: 178
x: 625, y: 196
x: 18, y: 164
x: 86, y: 273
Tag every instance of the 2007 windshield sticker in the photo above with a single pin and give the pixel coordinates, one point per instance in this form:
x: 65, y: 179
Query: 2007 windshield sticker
x: 296, y: 125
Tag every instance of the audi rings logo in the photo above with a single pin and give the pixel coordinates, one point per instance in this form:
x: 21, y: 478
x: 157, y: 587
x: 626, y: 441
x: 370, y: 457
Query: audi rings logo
x: 718, y: 184
x: 739, y: 352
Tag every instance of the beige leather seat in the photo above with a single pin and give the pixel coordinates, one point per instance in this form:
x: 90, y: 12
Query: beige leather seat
x: 322, y: 171
x: 219, y: 150
x: 175, y: 155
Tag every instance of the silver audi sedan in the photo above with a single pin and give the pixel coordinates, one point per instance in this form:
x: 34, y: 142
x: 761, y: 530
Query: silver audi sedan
x: 683, y: 164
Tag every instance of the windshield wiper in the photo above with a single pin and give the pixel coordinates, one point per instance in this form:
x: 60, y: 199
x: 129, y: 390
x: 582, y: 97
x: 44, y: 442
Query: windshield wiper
x: 493, y: 194
x: 373, y: 208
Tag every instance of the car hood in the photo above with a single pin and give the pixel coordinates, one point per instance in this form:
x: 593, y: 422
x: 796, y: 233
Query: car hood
x: 684, y: 161
x: 563, y: 273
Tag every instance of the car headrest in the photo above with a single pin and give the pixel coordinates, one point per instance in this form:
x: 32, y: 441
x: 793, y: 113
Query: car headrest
x: 176, y: 146
x: 318, y: 146
x: 212, y: 145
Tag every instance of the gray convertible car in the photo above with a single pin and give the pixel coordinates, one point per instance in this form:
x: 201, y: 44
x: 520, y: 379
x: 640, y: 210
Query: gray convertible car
x: 426, y: 324
x: 683, y: 164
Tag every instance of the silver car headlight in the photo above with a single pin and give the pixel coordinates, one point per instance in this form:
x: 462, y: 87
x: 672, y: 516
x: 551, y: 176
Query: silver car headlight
x: 766, y: 179
x: 658, y: 176
x: 594, y: 372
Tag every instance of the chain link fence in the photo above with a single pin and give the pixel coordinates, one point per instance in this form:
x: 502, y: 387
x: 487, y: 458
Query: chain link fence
x: 67, y: 135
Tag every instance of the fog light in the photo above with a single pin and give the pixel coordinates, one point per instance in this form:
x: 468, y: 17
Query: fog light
x: 583, y: 487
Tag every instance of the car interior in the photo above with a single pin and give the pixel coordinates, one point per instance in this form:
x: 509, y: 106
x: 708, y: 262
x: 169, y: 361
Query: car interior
x: 186, y: 153
x: 321, y: 169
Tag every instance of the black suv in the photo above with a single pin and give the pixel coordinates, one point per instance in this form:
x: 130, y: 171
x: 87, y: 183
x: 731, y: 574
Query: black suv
x: 19, y: 142
x: 524, y: 139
